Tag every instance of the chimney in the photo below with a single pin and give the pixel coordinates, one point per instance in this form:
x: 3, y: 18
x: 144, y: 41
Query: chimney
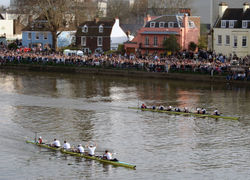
x: 96, y: 19
x: 245, y: 6
x: 185, y: 21
x: 147, y: 18
x: 222, y: 8
x: 30, y: 19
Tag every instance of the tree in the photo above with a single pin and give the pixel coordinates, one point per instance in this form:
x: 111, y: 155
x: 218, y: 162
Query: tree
x: 202, y: 43
x: 171, y: 44
x: 118, y: 8
x: 192, y: 46
x: 160, y: 7
x: 58, y: 13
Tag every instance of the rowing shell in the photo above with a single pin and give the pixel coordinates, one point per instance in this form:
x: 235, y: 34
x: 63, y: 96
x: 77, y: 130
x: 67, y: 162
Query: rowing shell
x: 115, y: 163
x: 183, y: 113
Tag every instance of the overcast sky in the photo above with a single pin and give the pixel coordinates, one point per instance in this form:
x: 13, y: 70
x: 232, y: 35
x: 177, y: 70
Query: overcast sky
x: 4, y: 2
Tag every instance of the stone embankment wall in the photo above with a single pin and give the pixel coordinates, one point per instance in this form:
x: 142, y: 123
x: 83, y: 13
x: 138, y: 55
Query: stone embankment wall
x: 124, y: 73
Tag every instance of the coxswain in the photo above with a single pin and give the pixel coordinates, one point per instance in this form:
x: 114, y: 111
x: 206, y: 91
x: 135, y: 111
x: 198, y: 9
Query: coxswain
x: 203, y: 111
x: 177, y: 109
x: 143, y: 106
x: 161, y: 108
x: 108, y: 156
x: 40, y: 140
x: 169, y: 108
x: 91, y: 149
x: 56, y: 143
x: 198, y: 110
x: 186, y: 110
x: 66, y: 145
x: 80, y: 149
x: 216, y: 112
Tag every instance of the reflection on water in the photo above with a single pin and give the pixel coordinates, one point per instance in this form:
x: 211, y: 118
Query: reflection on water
x: 83, y: 108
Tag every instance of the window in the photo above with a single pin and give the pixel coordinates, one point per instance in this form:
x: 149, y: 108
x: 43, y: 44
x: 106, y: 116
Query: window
x: 244, y: 41
x: 146, y: 41
x: 161, y: 25
x: 227, y: 40
x: 171, y: 24
x: 29, y: 36
x: 99, y: 41
x: 155, y: 41
x: 231, y: 24
x: 101, y: 29
x: 45, y: 36
x: 164, y: 38
x: 152, y: 24
x: 223, y: 24
x: 37, y: 36
x: 235, y: 41
x: 85, y: 28
x: 244, y: 24
x: 83, y: 40
x: 219, y: 39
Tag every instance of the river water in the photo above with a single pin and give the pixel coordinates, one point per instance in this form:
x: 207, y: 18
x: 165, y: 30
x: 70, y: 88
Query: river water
x: 83, y: 108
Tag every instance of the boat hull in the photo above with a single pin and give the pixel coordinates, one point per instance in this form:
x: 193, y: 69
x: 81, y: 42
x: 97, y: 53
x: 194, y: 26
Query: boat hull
x: 183, y: 113
x: 115, y: 163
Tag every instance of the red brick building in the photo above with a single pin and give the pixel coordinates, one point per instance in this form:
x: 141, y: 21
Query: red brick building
x: 149, y: 39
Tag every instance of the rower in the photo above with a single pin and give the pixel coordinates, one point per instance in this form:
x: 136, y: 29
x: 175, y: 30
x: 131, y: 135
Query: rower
x: 186, y: 110
x: 143, y: 106
x: 216, y: 112
x: 56, y: 143
x: 66, y: 145
x: 169, y: 108
x: 177, y: 109
x: 161, y: 108
x: 108, y: 156
x: 80, y: 149
x: 91, y: 149
x: 40, y: 141
x: 203, y: 111
x: 154, y: 107
x: 198, y: 110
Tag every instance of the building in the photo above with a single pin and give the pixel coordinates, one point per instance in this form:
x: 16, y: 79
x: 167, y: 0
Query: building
x: 100, y: 36
x: 231, y: 32
x: 10, y: 28
x: 150, y: 37
x: 37, y: 34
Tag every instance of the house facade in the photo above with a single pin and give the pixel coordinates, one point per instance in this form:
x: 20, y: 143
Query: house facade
x: 231, y: 33
x: 10, y: 28
x: 99, y: 36
x: 149, y: 39
x: 37, y: 34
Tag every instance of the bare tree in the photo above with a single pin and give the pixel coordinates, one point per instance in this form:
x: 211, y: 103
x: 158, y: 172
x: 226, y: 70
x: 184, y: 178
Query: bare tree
x: 58, y: 13
x: 160, y: 7
x: 118, y: 8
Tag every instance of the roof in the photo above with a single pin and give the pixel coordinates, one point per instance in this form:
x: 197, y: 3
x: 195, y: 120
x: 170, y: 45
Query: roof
x: 93, y: 28
x: 164, y: 18
x: 41, y: 24
x: 160, y: 32
x: 236, y: 14
x: 176, y: 19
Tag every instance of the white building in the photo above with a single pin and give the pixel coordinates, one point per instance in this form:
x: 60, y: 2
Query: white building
x: 231, y: 33
x: 118, y: 36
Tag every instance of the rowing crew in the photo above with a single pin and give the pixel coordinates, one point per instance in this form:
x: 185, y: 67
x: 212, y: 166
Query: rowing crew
x: 185, y: 110
x: 80, y: 149
x: 169, y: 108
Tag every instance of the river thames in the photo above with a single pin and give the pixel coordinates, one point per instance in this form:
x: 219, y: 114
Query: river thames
x: 83, y: 108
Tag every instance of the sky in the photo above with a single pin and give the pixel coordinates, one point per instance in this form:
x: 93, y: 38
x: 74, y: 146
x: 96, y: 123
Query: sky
x: 5, y: 2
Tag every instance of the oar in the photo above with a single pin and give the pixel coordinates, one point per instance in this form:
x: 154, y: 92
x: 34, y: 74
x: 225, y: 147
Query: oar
x: 35, y: 136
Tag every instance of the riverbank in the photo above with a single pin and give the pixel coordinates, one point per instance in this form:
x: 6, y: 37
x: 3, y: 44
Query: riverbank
x: 123, y: 72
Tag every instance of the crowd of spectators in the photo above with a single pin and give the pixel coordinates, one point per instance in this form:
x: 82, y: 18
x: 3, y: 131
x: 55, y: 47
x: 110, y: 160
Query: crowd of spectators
x: 201, y: 63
